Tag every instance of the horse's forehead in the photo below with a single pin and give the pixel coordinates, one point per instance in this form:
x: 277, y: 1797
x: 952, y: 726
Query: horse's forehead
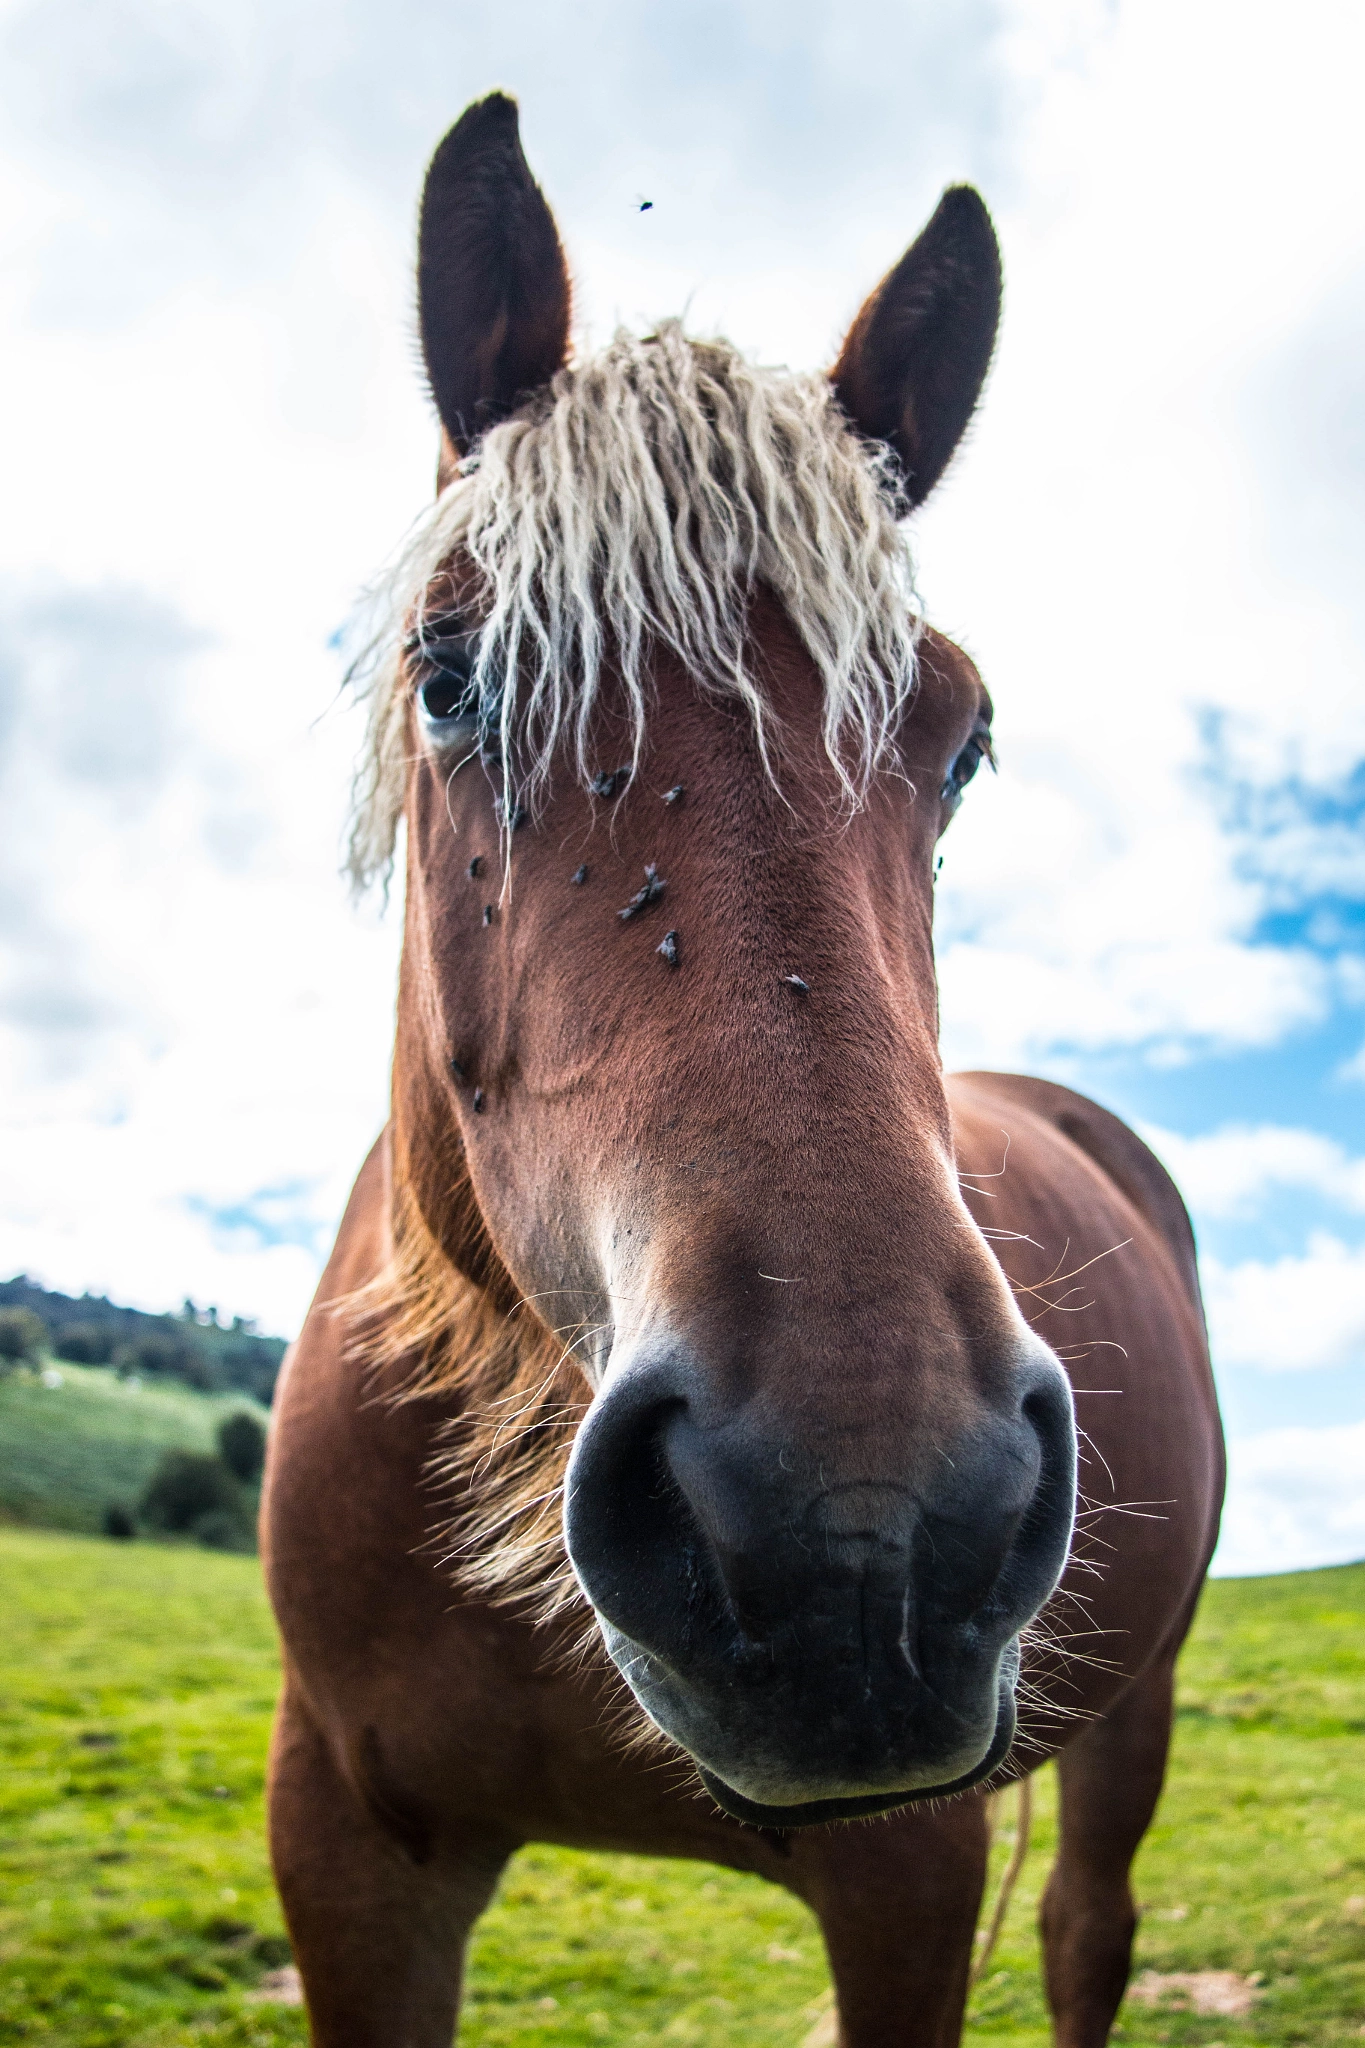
x: 949, y: 684
x: 948, y: 659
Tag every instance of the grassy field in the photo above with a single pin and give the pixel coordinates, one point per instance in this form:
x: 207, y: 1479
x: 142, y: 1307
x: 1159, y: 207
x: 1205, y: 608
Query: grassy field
x: 69, y: 1451
x: 136, y: 1683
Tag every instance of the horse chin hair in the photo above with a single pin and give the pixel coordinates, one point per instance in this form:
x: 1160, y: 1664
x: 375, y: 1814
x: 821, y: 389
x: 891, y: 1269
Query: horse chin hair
x: 820, y: 1812
x: 626, y: 1656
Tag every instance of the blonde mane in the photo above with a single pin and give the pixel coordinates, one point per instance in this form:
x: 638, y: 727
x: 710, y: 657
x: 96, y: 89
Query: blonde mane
x: 424, y: 1330
x: 638, y: 501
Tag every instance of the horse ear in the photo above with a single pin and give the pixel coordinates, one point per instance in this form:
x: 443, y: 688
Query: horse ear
x: 492, y: 284
x: 916, y: 357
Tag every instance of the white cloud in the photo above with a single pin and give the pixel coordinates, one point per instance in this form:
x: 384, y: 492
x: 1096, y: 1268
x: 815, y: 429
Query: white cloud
x: 1014, y: 1005
x: 1296, y: 1499
x: 210, y: 401
x: 1233, y: 1171
x: 1293, y: 1314
x: 1121, y: 548
x: 191, y: 1018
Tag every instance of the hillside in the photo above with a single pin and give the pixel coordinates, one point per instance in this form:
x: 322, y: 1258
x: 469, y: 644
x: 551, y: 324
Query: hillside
x: 70, y: 1449
x: 136, y: 1910
x: 194, y: 1347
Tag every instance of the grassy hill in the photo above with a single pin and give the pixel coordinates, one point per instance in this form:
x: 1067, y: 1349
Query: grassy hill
x: 136, y: 1911
x: 69, y: 1450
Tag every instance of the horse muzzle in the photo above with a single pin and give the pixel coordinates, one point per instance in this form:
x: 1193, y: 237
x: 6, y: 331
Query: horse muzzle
x: 828, y: 1633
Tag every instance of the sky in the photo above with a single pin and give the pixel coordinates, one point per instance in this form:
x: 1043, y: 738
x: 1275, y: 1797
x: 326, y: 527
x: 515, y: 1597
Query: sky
x: 215, y: 434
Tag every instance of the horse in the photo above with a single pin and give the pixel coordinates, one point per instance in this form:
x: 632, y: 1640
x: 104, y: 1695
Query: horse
x: 680, y: 1456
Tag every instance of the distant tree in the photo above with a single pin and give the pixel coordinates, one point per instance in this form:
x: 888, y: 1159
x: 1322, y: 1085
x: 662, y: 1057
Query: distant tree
x: 241, y: 1445
x: 185, y: 1486
x: 84, y: 1344
x: 205, y: 1371
x: 118, y: 1523
x: 156, y: 1355
x: 249, y: 1364
x: 23, y: 1335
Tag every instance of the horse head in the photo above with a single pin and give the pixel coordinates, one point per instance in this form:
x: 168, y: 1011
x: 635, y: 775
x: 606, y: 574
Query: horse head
x: 674, y: 754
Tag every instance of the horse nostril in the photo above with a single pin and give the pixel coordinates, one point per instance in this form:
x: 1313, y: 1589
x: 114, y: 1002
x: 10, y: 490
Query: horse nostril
x: 626, y: 1523
x: 1043, y: 1541
x: 1048, y: 1409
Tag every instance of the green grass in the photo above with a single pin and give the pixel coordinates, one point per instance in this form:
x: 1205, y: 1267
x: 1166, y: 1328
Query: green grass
x: 67, y: 1452
x: 1259, y: 1842
x: 136, y: 1683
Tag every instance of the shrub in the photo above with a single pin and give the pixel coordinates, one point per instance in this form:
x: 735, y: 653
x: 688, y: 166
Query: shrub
x: 185, y: 1486
x: 84, y: 1344
x: 23, y: 1335
x: 118, y: 1523
x: 224, y: 1529
x: 241, y: 1445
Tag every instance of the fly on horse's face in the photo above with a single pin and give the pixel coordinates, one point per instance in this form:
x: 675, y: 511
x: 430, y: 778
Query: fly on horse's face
x: 667, y: 1063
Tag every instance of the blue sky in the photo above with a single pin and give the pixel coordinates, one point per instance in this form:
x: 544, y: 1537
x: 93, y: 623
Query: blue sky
x: 214, y: 435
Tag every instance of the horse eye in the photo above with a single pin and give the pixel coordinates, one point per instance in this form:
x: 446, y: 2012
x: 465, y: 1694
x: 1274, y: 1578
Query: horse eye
x: 446, y: 696
x: 964, y: 767
x: 443, y: 697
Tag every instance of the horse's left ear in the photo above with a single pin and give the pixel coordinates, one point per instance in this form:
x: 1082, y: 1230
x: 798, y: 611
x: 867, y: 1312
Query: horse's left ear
x: 492, y: 284
x: 916, y: 357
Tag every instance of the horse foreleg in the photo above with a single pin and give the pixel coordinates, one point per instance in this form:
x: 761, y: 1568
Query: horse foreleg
x: 378, y: 1919
x: 1110, y: 1778
x: 897, y: 1902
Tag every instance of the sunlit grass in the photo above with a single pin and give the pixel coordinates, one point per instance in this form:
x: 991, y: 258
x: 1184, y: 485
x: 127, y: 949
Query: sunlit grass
x: 136, y: 1684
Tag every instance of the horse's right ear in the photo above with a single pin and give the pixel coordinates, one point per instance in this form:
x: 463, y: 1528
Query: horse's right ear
x: 492, y: 284
x: 916, y: 357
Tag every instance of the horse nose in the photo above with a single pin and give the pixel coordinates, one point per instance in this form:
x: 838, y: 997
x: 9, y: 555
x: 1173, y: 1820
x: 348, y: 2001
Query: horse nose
x: 822, y: 1649
x: 708, y: 1543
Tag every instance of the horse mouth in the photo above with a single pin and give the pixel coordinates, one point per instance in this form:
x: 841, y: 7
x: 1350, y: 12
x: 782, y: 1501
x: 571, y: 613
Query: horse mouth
x: 819, y: 1812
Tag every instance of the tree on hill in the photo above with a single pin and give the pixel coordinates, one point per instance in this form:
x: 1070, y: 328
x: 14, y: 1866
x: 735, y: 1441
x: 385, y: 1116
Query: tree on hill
x: 23, y: 1335
x: 153, y: 1355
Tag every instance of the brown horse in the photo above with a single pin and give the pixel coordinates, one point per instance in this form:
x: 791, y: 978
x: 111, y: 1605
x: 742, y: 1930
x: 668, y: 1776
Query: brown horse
x: 677, y: 1219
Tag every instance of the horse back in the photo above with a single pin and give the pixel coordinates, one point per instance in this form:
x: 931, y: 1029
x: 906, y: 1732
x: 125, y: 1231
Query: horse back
x: 1116, y: 1150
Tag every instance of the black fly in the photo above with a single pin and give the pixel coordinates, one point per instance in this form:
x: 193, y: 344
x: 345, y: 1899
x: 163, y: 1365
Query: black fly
x: 653, y: 889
